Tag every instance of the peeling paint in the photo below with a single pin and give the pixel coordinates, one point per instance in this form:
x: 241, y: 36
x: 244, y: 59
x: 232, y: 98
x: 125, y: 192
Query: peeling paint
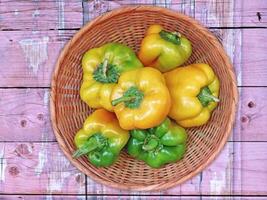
x: 58, y: 175
x: 46, y: 98
x: 217, y: 183
x: 36, y: 13
x: 61, y: 16
x: 16, y: 12
x: 3, y: 164
x: 35, y: 52
x: 42, y: 159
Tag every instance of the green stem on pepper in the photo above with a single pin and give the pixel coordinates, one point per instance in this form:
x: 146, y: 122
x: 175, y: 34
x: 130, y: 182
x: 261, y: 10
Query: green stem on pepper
x: 174, y: 37
x: 132, y: 98
x: 97, y: 141
x: 205, y: 96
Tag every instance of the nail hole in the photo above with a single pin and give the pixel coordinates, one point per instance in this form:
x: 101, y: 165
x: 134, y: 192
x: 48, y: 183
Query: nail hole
x: 259, y: 16
x: 23, y: 149
x: 23, y: 123
x: 79, y: 178
x: 244, y: 119
x: 13, y: 171
x: 40, y: 117
x: 251, y: 104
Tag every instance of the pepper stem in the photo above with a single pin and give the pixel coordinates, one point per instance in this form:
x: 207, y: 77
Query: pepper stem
x: 132, y: 98
x: 174, y: 37
x: 122, y: 99
x: 94, y: 142
x: 88, y: 146
x: 215, y: 99
x: 105, y: 67
x: 106, y: 72
x: 205, y: 96
x: 152, y: 144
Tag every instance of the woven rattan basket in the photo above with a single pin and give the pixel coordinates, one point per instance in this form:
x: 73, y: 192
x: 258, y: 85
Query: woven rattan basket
x: 128, y: 25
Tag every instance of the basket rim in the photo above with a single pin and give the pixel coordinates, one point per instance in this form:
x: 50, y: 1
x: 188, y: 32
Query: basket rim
x: 53, y: 96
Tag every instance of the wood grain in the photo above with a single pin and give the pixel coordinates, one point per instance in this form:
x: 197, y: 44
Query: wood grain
x: 46, y: 197
x: 214, y: 180
x: 218, y: 13
x: 28, y: 58
x: 34, y: 33
x: 102, y: 197
x: 48, y: 171
x: 40, y: 15
x: 37, y: 53
x: 254, y: 46
x: 37, y: 168
x: 25, y: 115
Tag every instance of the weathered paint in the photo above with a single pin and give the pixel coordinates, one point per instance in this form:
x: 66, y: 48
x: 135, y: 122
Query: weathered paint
x: 217, y: 183
x: 42, y: 159
x: 16, y: 12
x: 2, y: 165
x: 238, y: 170
x: 35, y: 52
x: 19, y: 15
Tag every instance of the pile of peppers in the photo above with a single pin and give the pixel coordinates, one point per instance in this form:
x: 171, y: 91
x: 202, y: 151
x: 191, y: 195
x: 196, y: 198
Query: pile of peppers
x: 143, y: 102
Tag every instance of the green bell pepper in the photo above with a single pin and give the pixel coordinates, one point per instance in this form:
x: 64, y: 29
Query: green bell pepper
x: 101, y: 138
x: 159, y: 145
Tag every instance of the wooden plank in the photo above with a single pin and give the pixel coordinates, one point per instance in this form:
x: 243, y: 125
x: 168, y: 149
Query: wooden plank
x: 42, y: 197
x: 48, y: 171
x: 40, y: 15
x: 220, y: 177
x: 237, y: 13
x: 25, y: 115
x: 62, y: 197
x: 28, y: 58
x: 216, y: 179
x: 251, y: 117
x: 218, y: 13
x: 37, y: 168
x: 36, y: 54
x: 254, y: 71
x: 251, y: 167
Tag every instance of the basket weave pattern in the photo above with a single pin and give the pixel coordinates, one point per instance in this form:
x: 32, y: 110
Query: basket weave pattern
x: 128, y: 25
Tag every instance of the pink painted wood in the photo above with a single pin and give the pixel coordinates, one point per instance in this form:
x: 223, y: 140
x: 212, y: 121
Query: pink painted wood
x: 33, y: 33
x: 40, y: 15
x: 62, y: 197
x: 25, y: 116
x: 35, y: 53
x: 37, y: 168
x: 32, y: 68
x: 50, y: 172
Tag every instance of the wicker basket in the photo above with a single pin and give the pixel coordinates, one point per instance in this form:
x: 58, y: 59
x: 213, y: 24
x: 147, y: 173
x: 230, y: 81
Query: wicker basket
x: 128, y: 25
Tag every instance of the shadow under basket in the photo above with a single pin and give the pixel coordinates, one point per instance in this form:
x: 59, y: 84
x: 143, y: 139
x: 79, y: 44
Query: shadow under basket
x: 127, y: 25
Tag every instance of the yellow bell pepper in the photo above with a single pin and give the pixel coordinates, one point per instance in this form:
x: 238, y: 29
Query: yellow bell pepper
x: 101, y: 138
x: 101, y: 70
x: 164, y: 50
x: 194, y: 91
x: 141, y: 99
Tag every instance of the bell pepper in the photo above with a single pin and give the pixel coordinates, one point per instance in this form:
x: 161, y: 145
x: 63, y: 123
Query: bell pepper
x: 101, y: 138
x: 194, y: 91
x: 159, y: 145
x: 141, y: 99
x: 164, y: 50
x: 102, y: 68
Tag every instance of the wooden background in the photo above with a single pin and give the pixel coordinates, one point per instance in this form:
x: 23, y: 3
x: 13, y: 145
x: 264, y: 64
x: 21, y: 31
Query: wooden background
x: 32, y: 34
